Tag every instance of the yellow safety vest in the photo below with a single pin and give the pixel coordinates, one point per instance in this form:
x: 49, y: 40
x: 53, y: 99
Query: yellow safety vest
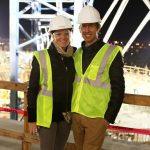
x: 92, y: 90
x: 44, y: 98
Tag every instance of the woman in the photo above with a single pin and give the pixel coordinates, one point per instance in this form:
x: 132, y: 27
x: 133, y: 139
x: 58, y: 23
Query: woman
x: 50, y: 88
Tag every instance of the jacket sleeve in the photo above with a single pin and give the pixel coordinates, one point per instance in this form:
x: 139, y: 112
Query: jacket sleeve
x: 117, y: 88
x: 33, y: 89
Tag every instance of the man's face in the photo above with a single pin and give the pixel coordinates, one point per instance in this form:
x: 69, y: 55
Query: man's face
x: 89, y: 32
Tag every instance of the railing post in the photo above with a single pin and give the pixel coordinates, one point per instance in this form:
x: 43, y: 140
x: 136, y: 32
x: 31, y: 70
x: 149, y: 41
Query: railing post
x: 25, y: 145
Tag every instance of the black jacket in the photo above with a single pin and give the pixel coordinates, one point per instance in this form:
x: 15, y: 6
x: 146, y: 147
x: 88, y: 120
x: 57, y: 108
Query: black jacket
x: 116, y: 78
x: 63, y: 73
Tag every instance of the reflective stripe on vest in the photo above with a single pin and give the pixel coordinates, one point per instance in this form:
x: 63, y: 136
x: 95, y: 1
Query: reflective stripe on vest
x: 97, y: 82
x: 44, y: 97
x: 92, y: 90
x: 44, y: 90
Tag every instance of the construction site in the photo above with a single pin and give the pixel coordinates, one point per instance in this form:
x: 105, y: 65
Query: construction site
x: 131, y: 130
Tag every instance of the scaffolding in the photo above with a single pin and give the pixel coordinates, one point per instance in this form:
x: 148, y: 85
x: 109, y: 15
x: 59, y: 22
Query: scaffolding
x: 40, y: 12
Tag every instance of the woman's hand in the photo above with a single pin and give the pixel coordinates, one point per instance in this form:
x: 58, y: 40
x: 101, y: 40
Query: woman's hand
x: 32, y: 128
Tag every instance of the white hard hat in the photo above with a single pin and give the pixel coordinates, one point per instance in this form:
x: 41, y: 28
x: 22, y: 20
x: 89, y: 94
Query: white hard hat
x: 89, y: 14
x: 60, y: 22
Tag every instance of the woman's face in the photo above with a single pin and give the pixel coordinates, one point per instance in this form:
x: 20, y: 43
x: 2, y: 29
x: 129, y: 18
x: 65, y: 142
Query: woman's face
x: 62, y: 38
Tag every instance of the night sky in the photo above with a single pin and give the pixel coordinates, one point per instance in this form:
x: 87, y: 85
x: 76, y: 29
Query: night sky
x: 131, y: 18
x: 4, y: 18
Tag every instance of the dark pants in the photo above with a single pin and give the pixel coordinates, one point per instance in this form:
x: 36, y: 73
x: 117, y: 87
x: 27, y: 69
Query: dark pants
x: 55, y: 137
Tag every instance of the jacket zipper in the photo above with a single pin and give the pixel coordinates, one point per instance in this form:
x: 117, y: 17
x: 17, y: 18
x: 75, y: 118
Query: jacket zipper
x: 66, y: 68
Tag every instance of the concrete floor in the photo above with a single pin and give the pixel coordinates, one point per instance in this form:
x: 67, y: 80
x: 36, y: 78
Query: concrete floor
x: 109, y: 144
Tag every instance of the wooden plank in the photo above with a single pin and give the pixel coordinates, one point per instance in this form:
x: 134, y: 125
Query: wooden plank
x: 20, y: 136
x: 11, y: 134
x: 31, y: 138
x: 13, y: 86
x: 26, y: 146
x: 141, y: 100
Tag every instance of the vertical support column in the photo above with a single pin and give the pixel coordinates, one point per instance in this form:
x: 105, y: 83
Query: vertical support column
x: 76, y: 34
x: 59, y: 5
x: 13, y: 43
x: 26, y: 145
x: 36, y: 9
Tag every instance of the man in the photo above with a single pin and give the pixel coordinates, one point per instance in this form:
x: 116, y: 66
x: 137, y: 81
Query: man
x: 99, y: 84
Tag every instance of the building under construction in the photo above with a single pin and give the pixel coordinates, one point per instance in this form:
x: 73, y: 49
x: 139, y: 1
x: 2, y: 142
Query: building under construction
x: 38, y: 13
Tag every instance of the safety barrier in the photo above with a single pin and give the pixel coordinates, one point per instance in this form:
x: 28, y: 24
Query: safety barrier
x: 28, y: 140
x: 129, y: 134
x: 23, y: 135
